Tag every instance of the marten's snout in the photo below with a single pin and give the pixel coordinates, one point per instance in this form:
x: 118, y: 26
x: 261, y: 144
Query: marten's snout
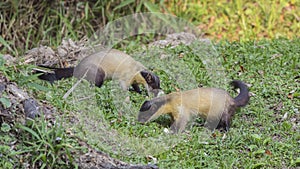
x: 143, y: 115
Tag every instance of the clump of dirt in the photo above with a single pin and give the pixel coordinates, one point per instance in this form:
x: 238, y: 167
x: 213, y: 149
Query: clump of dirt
x: 66, y: 55
x: 98, y: 160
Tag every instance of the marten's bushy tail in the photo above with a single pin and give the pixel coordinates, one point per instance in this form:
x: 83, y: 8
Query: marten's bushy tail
x: 56, y: 74
x: 243, y: 98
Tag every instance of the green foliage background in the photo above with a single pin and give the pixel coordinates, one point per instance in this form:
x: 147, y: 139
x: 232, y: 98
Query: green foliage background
x: 25, y: 24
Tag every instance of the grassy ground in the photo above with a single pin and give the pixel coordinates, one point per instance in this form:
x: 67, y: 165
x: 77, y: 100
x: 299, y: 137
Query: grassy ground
x: 265, y: 134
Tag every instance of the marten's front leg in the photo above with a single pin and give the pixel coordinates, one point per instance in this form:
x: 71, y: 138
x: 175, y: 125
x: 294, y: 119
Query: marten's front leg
x: 180, y: 122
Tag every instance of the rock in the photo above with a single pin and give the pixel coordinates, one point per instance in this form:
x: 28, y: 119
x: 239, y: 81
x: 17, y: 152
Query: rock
x: 31, y: 108
x: 9, y: 59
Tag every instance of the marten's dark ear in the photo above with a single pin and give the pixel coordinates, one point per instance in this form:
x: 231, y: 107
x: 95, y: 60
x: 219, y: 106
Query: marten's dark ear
x: 146, y: 106
x: 147, y: 76
x: 151, y: 79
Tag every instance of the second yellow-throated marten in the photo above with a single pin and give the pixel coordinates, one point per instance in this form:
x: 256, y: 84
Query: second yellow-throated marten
x: 109, y: 64
x: 213, y: 104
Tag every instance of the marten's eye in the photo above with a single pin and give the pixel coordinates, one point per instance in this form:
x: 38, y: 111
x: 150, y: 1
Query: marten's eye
x: 146, y: 106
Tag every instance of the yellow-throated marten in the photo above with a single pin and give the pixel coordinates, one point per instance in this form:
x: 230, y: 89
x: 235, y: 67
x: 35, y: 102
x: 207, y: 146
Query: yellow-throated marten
x: 109, y: 64
x: 213, y: 104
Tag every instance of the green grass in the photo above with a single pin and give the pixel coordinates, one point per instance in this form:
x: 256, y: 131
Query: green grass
x: 241, y: 20
x: 38, y: 144
x: 27, y: 25
x: 260, y: 137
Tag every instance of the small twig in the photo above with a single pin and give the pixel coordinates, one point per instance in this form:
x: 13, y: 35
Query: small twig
x: 6, y: 115
x: 84, y: 98
x: 43, y: 71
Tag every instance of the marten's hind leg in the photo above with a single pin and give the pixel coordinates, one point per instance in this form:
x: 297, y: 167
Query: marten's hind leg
x: 226, y: 118
x: 95, y: 75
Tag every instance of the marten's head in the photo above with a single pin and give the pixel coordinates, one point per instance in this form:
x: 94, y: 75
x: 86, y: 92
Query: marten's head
x: 150, y: 109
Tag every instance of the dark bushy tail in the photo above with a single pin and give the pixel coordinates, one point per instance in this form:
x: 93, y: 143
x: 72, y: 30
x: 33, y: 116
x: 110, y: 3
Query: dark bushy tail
x: 243, y: 98
x: 55, y: 73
